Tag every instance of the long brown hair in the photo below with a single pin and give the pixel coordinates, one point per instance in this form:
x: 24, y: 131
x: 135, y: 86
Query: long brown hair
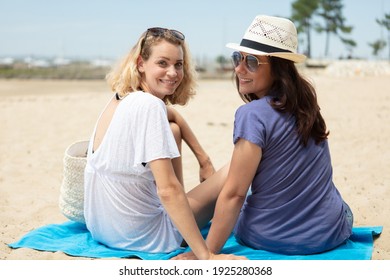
x: 293, y: 94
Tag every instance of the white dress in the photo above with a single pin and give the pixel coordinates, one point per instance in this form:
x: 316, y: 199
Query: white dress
x: 121, y: 206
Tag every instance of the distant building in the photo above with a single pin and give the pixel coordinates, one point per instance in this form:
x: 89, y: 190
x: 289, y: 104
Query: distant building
x: 6, y: 61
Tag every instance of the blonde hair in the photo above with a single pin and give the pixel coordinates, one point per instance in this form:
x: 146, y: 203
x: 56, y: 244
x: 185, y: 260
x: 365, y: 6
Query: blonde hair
x: 125, y: 77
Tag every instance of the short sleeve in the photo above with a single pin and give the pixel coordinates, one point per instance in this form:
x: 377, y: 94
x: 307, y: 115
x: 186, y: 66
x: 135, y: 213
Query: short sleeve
x: 153, y: 135
x: 249, y: 126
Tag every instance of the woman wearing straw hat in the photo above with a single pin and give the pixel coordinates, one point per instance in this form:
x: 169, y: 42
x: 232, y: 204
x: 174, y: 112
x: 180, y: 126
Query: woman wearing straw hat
x: 281, y: 153
x: 134, y: 198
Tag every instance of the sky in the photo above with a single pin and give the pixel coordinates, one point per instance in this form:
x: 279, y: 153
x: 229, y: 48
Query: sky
x: 88, y: 29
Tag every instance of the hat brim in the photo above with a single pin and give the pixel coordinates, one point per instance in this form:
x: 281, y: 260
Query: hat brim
x: 295, y: 57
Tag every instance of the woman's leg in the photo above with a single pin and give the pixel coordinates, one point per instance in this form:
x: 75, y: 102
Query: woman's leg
x: 202, y: 198
x: 177, y: 162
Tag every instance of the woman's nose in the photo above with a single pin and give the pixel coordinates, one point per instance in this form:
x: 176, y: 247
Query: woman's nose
x: 240, y: 67
x: 172, y: 71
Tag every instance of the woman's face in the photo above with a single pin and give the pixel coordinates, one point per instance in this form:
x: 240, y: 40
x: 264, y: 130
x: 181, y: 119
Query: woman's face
x: 258, y: 82
x: 163, y: 72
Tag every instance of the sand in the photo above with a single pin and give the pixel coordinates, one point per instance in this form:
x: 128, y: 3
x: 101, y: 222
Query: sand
x: 40, y: 118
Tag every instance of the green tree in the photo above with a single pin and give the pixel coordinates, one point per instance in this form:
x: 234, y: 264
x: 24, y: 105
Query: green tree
x: 377, y: 46
x: 302, y: 14
x: 385, y: 22
x: 222, y: 61
x: 334, y: 23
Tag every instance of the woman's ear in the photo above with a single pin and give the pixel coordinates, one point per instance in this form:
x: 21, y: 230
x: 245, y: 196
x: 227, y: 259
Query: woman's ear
x: 140, y: 64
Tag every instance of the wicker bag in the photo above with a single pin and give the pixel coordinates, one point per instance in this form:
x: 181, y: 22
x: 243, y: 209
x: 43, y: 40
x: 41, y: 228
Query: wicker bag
x: 71, y: 200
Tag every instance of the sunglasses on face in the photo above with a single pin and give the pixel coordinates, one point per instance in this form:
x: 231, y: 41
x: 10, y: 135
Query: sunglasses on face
x: 159, y: 31
x: 251, y: 61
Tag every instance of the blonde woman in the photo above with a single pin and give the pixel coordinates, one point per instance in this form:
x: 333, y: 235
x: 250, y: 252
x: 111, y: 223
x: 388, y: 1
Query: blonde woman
x: 134, y: 195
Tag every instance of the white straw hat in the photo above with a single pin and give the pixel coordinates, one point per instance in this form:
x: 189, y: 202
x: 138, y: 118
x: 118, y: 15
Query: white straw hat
x: 271, y: 36
x: 71, y: 201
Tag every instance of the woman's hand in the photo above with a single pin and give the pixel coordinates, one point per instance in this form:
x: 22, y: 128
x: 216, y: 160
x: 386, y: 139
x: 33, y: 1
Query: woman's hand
x: 191, y: 256
x: 227, y: 257
x: 206, y: 169
x: 185, y: 256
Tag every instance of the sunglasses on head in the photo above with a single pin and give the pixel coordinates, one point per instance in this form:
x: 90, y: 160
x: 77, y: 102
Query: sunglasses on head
x: 159, y: 31
x: 251, y: 61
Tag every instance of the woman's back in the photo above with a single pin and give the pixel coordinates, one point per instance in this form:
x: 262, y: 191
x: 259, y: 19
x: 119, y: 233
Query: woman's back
x: 293, y: 200
x: 122, y: 208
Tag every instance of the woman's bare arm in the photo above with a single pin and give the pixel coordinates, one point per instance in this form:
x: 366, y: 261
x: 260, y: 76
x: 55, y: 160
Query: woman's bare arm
x: 206, y: 166
x: 245, y: 161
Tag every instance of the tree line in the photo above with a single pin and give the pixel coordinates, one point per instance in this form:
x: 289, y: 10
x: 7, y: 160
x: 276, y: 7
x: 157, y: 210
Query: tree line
x: 307, y: 13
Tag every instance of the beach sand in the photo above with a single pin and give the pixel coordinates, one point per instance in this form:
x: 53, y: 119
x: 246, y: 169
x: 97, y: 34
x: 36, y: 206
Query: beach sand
x: 39, y: 119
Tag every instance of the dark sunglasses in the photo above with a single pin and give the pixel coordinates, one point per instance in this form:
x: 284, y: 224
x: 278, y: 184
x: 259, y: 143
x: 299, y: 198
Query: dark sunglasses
x: 251, y: 61
x: 159, y: 31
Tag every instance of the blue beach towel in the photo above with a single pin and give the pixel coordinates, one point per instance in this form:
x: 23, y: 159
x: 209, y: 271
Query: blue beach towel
x: 75, y: 240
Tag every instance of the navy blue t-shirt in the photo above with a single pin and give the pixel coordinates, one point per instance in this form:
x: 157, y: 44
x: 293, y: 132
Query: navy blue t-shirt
x: 294, y: 207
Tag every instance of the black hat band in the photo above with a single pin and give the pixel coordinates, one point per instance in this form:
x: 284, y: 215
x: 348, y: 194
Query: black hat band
x: 261, y: 47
